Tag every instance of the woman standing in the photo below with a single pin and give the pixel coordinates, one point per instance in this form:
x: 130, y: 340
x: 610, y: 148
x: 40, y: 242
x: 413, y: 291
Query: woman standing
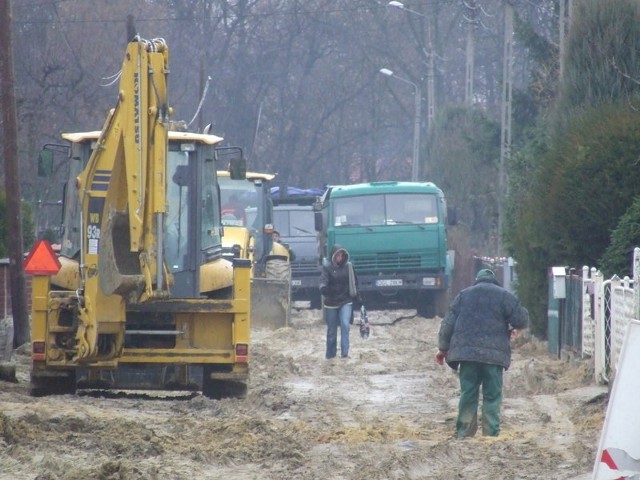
x: 338, y: 286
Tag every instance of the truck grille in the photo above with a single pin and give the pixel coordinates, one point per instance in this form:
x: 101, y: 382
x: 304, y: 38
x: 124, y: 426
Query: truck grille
x: 387, y: 262
x: 305, y: 268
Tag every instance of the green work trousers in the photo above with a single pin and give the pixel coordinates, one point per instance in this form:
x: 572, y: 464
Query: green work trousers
x: 473, y: 375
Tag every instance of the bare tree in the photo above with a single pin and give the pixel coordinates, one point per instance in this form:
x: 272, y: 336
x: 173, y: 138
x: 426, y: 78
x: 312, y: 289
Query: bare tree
x: 294, y: 82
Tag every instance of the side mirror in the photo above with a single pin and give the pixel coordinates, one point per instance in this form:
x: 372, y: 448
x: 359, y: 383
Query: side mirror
x: 237, y: 165
x: 452, y: 216
x: 238, y: 168
x: 318, y: 221
x: 45, y: 163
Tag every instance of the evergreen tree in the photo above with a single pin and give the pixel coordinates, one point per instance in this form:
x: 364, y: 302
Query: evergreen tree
x: 577, y: 176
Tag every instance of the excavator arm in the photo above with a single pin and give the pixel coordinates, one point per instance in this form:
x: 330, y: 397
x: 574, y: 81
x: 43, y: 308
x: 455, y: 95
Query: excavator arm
x: 122, y: 193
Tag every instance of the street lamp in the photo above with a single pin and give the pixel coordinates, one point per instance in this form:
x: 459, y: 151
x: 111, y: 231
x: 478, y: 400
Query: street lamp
x: 402, y: 6
x: 429, y: 52
x: 416, y: 121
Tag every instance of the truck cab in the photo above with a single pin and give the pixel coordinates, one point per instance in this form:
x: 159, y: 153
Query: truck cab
x: 295, y: 222
x: 396, y: 235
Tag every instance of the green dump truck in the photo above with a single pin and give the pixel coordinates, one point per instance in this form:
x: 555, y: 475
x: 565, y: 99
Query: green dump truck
x: 396, y: 235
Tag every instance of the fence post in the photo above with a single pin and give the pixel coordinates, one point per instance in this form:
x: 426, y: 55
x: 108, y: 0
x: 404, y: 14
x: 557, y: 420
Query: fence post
x: 600, y: 346
x: 587, y: 322
x: 560, y: 293
x: 616, y: 321
x: 636, y: 285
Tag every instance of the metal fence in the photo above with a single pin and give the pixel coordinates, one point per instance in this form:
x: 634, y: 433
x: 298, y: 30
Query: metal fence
x: 564, y: 318
x: 589, y: 315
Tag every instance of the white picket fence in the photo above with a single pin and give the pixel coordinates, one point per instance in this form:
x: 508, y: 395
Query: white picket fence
x: 608, y: 306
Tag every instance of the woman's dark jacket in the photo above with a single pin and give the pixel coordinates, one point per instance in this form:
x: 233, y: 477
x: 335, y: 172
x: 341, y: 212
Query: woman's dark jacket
x: 478, y: 325
x: 334, y: 280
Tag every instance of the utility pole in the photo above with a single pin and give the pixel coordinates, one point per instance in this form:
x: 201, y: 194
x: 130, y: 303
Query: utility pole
x: 564, y: 22
x: 431, y: 74
x: 505, y: 135
x: 12, y: 179
x: 470, y: 50
x: 415, y: 165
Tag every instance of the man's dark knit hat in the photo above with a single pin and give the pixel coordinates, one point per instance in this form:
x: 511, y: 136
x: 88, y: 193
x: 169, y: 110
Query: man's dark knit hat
x: 484, y: 273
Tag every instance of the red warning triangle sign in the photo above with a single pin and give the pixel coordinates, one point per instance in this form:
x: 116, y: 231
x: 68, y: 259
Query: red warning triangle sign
x: 41, y: 260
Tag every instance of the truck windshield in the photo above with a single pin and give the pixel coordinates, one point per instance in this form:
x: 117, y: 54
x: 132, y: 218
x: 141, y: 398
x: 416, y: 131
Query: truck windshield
x: 389, y: 209
x: 294, y: 223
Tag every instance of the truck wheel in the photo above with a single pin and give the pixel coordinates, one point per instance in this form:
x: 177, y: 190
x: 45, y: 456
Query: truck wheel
x: 316, y: 302
x: 442, y: 303
x: 426, y: 307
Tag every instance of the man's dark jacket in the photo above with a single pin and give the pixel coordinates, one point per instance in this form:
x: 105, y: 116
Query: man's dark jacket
x: 478, y: 324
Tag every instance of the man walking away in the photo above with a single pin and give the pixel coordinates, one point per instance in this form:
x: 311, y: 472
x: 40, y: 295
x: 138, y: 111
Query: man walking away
x: 475, y: 337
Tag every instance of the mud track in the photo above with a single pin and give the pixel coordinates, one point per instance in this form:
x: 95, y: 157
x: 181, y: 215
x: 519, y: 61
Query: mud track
x: 386, y: 413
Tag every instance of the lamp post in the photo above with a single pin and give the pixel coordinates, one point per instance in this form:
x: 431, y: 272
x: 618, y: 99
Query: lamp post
x: 416, y: 121
x: 402, y: 6
x: 429, y: 53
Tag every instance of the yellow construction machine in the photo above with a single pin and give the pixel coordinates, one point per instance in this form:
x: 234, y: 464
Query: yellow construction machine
x: 144, y: 297
x: 247, y: 218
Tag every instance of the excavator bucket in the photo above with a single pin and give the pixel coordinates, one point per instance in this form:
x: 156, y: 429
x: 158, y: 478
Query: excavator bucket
x: 271, y: 296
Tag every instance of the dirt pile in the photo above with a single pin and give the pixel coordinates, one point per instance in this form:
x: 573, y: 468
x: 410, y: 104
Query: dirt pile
x: 385, y: 413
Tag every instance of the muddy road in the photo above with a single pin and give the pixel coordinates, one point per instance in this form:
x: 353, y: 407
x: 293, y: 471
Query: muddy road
x: 388, y: 412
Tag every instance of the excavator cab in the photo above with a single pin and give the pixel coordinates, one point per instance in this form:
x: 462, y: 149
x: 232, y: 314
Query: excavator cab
x: 193, y: 262
x: 247, y: 217
x: 191, y: 236
x: 192, y: 229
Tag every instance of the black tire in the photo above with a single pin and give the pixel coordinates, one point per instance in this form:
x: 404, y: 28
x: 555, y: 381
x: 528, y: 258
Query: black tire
x: 53, y: 385
x: 219, y: 389
x: 433, y: 304
x: 316, y: 302
x: 425, y: 307
x: 442, y: 303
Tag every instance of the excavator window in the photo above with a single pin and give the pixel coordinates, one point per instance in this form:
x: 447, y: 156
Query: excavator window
x: 71, y: 209
x: 177, y: 219
x: 184, y: 243
x: 211, y: 230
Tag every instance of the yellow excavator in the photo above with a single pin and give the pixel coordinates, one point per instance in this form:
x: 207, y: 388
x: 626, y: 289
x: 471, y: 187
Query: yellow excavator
x: 144, y: 297
x: 247, y: 218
